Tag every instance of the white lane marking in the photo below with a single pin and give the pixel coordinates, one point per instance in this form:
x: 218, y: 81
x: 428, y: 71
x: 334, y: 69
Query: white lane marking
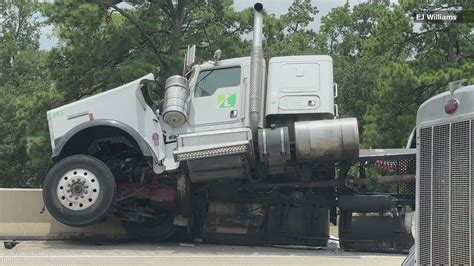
x: 205, y: 256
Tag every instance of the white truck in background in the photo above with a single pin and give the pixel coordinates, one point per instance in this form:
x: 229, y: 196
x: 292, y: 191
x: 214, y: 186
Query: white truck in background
x: 443, y: 226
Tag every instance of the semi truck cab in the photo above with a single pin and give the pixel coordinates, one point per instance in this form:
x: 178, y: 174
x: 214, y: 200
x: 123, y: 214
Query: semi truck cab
x: 239, y: 149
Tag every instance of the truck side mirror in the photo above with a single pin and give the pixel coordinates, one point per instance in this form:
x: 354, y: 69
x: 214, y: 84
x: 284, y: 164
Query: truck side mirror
x: 191, y: 56
x: 217, y: 55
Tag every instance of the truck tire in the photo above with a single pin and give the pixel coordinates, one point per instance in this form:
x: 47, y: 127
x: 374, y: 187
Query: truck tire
x: 79, y: 190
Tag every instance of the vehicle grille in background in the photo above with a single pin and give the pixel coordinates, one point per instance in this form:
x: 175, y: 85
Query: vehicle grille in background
x: 445, y: 226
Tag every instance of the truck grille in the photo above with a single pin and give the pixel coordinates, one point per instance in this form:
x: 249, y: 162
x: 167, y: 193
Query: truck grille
x: 445, y: 194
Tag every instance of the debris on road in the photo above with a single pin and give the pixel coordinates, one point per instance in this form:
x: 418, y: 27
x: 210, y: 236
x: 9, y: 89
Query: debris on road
x: 189, y: 245
x: 9, y: 244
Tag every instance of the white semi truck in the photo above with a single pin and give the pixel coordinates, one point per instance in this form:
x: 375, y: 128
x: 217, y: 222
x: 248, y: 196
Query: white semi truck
x: 443, y: 225
x: 238, y: 151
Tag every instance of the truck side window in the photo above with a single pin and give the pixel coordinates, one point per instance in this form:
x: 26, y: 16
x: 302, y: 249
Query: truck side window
x: 213, y: 79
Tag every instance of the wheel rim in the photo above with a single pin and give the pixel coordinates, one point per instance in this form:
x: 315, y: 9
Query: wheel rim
x: 78, y: 189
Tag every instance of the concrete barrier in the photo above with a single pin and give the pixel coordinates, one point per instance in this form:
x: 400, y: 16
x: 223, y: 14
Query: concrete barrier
x: 22, y: 217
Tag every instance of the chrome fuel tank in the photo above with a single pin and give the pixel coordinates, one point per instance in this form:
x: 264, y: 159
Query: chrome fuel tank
x: 327, y: 140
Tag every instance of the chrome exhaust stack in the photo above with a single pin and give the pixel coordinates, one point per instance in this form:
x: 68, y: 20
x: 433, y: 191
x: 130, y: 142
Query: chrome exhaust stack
x: 256, y: 70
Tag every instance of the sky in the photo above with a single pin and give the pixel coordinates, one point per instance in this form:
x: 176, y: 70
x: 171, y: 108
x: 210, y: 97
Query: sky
x: 277, y: 7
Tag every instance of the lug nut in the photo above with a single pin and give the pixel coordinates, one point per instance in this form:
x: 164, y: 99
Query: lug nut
x: 76, y: 198
x: 86, y: 192
x: 68, y: 190
x: 87, y: 186
x: 68, y: 185
x: 82, y: 196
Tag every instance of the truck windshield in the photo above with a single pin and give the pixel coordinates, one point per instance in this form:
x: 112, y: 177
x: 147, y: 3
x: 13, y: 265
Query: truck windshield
x: 209, y: 81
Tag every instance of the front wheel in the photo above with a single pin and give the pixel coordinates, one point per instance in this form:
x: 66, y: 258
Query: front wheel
x: 79, y: 190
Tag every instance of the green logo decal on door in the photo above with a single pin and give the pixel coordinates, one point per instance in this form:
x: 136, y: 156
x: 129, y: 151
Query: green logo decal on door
x: 226, y: 100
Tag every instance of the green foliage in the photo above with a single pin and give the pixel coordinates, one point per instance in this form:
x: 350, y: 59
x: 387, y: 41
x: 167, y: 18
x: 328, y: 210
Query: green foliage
x: 300, y: 14
x: 385, y: 65
x: 24, y: 86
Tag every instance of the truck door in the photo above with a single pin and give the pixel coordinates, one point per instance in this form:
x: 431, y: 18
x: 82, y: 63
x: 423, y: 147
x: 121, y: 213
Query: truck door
x: 217, y: 97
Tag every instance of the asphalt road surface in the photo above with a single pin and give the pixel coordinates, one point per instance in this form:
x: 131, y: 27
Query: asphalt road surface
x: 89, y: 253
